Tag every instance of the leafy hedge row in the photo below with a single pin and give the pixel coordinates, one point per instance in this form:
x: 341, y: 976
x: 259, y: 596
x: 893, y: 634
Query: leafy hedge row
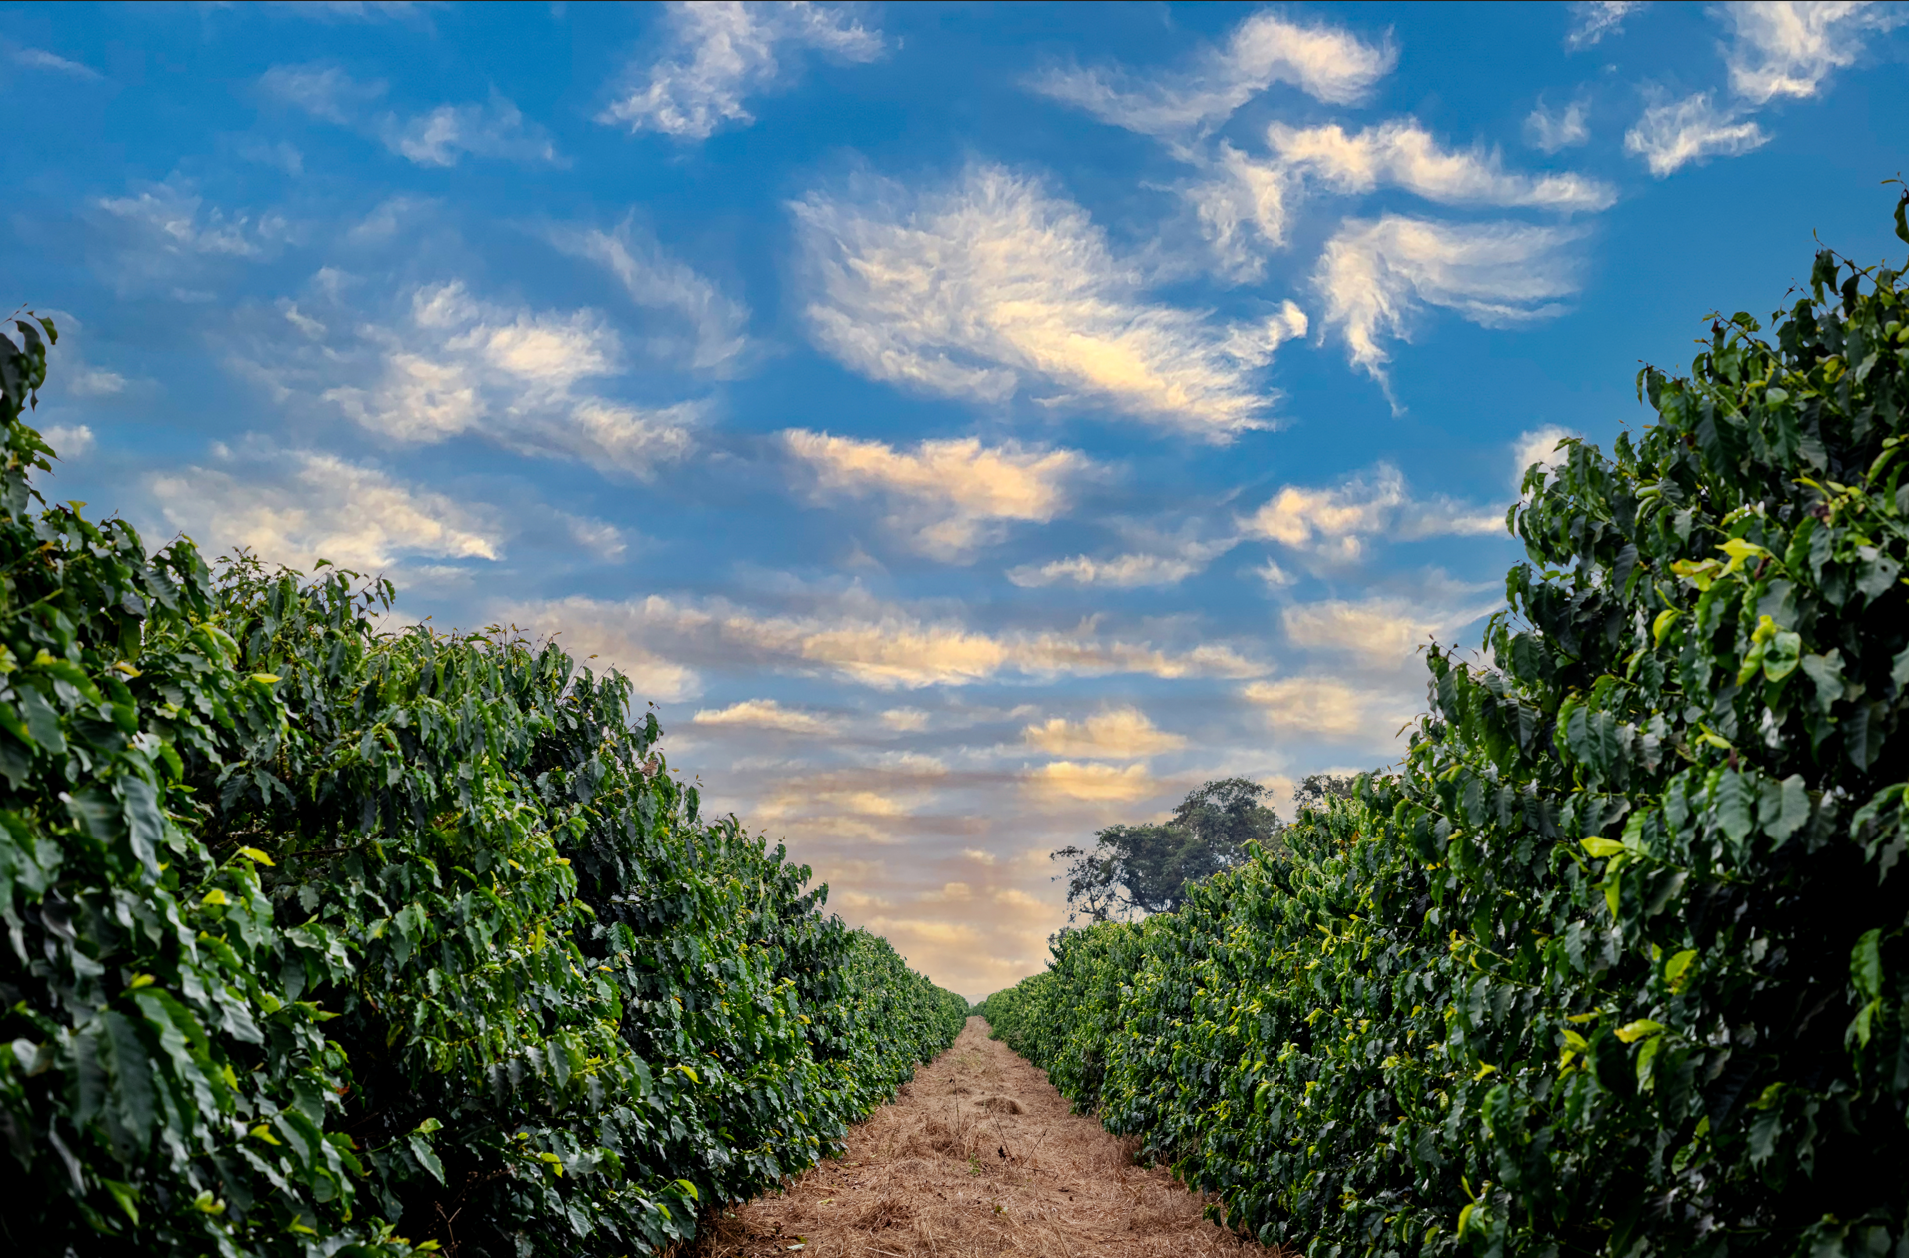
x: 1617, y: 962
x: 318, y: 934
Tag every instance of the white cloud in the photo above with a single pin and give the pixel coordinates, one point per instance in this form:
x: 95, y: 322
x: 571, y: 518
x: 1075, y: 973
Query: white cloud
x: 905, y: 720
x: 437, y: 137
x: 281, y: 156
x: 1243, y: 206
x: 324, y: 91
x: 494, y: 129
x: 169, y: 218
x: 95, y: 382
x: 948, y: 496
x: 764, y: 714
x: 1788, y: 49
x: 1114, y: 734
x: 1672, y: 134
x: 721, y: 52
x: 1373, y: 272
x: 70, y: 441
x: 1593, y: 21
x: 458, y: 365
x: 604, y: 540
x: 1325, y: 62
x: 1333, y: 524
x: 1378, y: 633
x: 1329, y: 708
x: 1536, y: 446
x: 992, y: 285
x: 1125, y: 572
x: 863, y: 641
x: 1094, y: 783
x: 1405, y: 155
x: 301, y: 506
x: 41, y: 59
x: 656, y: 281
x: 1550, y: 132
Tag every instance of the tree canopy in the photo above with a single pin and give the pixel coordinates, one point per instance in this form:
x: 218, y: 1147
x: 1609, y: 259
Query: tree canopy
x: 1149, y: 867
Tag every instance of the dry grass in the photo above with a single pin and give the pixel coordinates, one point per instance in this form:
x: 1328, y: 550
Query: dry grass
x: 977, y: 1156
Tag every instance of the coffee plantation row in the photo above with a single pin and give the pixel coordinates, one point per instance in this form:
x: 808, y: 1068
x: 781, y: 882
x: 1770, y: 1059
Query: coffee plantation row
x: 321, y: 937
x: 1615, y: 961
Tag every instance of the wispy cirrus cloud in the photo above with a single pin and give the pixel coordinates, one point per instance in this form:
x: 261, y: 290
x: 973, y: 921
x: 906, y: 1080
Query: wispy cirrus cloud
x: 167, y: 236
x: 862, y: 640
x: 41, y: 59
x: 1591, y: 22
x: 440, y: 136
x: 1374, y: 272
x: 1326, y: 62
x: 444, y: 135
x: 717, y: 324
x: 1777, y: 49
x: 1789, y: 49
x: 1551, y: 132
x: 450, y: 364
x: 1166, y: 561
x: 721, y: 52
x: 1405, y: 155
x: 322, y: 90
x: 1672, y: 134
x: 993, y: 286
x: 299, y: 506
x: 946, y: 497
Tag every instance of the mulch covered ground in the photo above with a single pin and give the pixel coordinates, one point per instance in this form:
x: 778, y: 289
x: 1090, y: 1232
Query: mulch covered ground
x: 977, y: 1156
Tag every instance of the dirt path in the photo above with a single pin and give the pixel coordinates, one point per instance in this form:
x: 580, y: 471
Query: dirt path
x: 978, y: 1155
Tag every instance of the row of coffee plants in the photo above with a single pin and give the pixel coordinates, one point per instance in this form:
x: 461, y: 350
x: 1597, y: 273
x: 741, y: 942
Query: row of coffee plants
x: 320, y: 937
x: 1616, y: 961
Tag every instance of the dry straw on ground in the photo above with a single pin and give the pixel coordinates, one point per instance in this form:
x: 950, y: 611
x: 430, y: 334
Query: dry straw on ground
x: 977, y: 1156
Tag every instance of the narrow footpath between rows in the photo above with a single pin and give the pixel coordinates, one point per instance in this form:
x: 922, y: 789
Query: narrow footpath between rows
x: 977, y: 1156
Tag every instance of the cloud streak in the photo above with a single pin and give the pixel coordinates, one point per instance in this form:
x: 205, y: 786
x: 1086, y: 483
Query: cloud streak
x: 1375, y: 272
x: 860, y: 640
x: 1335, y: 524
x: 946, y: 497
x: 992, y: 286
x: 720, y: 53
x: 459, y: 365
x: 1405, y: 155
x: 300, y: 506
x: 1327, y: 63
x: 654, y: 280
x: 1673, y: 134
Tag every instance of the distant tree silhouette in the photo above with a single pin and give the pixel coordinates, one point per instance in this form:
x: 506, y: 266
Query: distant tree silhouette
x: 1148, y: 867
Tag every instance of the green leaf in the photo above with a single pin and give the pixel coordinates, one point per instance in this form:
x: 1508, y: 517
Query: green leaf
x: 1793, y: 810
x: 42, y: 721
x: 427, y: 1156
x: 1783, y: 654
x: 125, y: 1196
x: 132, y: 1096
x: 1865, y: 964
x: 1631, y: 1032
x: 1735, y: 805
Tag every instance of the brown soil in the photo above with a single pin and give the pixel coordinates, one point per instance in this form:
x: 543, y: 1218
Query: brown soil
x: 978, y: 1155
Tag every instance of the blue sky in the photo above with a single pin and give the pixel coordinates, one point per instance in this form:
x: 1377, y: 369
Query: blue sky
x: 969, y: 425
